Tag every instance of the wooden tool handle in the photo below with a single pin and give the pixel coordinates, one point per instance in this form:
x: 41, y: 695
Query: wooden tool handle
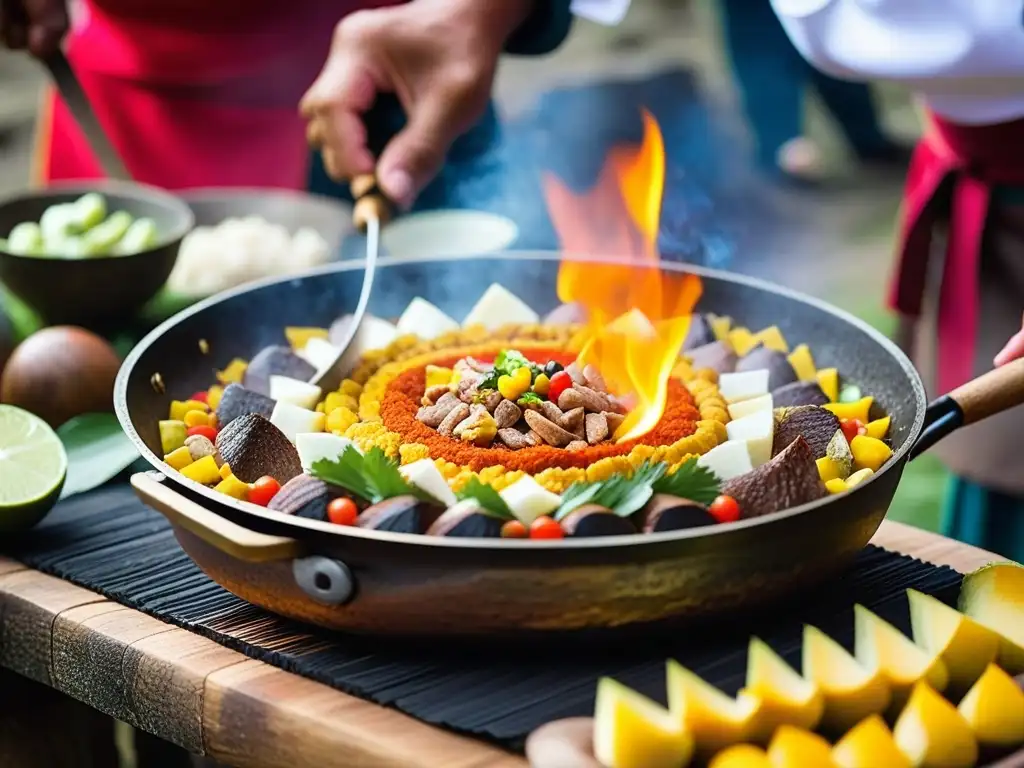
x: 991, y: 393
x: 370, y: 202
x: 229, y: 538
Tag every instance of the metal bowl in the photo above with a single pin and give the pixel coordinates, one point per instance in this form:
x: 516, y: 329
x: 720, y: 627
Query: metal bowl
x: 98, y: 290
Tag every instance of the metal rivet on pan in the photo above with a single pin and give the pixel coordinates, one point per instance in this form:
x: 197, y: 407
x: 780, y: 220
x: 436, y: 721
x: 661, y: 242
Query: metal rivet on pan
x: 325, y: 580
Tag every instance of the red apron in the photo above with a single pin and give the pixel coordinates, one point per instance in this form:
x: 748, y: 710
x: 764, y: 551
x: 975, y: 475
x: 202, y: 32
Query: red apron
x: 973, y: 160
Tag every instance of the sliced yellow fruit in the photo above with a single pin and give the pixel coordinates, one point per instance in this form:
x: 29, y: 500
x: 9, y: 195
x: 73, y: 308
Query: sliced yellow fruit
x: 213, y: 396
x: 741, y: 756
x: 932, y: 733
x: 179, y: 458
x: 858, y: 477
x: 869, y: 452
x: 828, y: 380
x: 829, y: 469
x: 298, y: 337
x: 179, y: 408
x: 631, y: 731
x: 994, y: 708
x: 786, y: 698
x: 796, y: 748
x: 772, y: 338
x: 233, y: 372
x: 965, y: 646
x: 742, y: 340
x: 878, y: 428
x: 720, y: 326
x: 714, y: 719
x: 836, y: 485
x: 204, y: 471
x: 851, y: 692
x: 858, y: 409
x: 994, y: 597
x: 803, y: 363
x: 869, y: 744
x: 879, y: 645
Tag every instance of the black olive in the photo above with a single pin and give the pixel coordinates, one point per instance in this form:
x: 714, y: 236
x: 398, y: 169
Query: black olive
x: 552, y: 368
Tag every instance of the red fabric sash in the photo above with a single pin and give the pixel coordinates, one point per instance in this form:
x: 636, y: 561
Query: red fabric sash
x: 973, y: 159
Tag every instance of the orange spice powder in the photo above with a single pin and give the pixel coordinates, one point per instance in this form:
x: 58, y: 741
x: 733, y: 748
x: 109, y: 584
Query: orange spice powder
x: 402, y: 399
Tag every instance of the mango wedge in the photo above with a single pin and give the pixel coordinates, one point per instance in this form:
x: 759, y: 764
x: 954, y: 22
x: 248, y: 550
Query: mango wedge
x: 994, y: 597
x: 851, y: 692
x: 742, y: 340
x: 994, y: 709
x: 868, y: 745
x: 879, y: 645
x: 772, y: 338
x: 803, y: 363
x: 965, y: 646
x: 933, y: 734
x: 859, y: 409
x: 720, y: 326
x: 741, y: 756
x: 785, y: 697
x: 795, y: 748
x: 716, y: 721
x: 631, y: 731
x: 828, y: 380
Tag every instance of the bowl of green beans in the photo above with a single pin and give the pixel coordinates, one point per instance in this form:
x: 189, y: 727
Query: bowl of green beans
x: 90, y: 253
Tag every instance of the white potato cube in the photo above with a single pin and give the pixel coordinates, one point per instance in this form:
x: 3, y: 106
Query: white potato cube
x: 735, y: 387
x: 728, y: 460
x: 314, y: 446
x: 529, y: 500
x: 285, y: 389
x: 293, y: 420
x: 498, y: 307
x: 319, y: 353
x: 425, y: 320
x: 758, y: 431
x: 753, y: 405
x: 425, y: 475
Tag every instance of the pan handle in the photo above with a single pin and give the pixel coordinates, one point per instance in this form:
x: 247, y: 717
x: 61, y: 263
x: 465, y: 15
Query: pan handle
x: 991, y: 393
x: 231, y: 539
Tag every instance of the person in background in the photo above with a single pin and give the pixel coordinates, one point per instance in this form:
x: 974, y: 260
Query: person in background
x: 773, y: 79
x: 199, y: 94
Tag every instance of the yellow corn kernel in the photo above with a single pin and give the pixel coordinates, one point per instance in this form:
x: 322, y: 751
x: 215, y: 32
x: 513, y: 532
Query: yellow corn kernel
x: 339, y: 400
x: 204, y: 471
x: 411, y: 452
x: 213, y: 396
x: 859, y: 409
x: 180, y: 407
x: 541, y: 384
x: 298, y: 338
x: 869, y: 452
x: 836, y: 485
x: 233, y: 487
x: 438, y: 376
x: 682, y: 370
x: 179, y: 458
x: 197, y: 419
x: 233, y: 372
x: 225, y: 471
x: 878, y: 428
x: 349, y: 387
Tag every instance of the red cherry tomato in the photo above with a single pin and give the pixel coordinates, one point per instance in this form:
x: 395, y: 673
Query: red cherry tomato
x: 560, y: 382
x: 206, y: 431
x: 546, y: 528
x: 342, y: 511
x: 263, y: 490
x: 513, y: 529
x: 851, y: 428
x: 725, y: 509
x: 202, y: 396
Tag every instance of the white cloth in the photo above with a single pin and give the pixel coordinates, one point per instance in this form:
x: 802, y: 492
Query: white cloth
x: 608, y: 12
x: 964, y: 57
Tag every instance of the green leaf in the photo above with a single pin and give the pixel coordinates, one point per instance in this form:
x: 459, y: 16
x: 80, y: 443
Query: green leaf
x: 622, y: 495
x: 371, y: 476
x: 530, y: 398
x: 97, y: 449
x: 487, y: 497
x: 345, y: 472
x: 691, y: 481
x: 575, y: 496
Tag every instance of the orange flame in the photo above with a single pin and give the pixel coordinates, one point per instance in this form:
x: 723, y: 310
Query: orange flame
x: 638, y: 315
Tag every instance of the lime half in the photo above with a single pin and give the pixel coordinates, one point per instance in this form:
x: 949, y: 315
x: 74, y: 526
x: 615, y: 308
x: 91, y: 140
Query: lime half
x: 33, y: 465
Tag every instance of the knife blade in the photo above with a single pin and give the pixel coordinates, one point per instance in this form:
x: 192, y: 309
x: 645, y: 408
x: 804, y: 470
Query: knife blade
x: 66, y: 81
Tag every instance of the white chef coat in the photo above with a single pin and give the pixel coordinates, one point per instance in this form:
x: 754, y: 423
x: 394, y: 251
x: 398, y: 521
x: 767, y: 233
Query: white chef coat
x: 965, y: 58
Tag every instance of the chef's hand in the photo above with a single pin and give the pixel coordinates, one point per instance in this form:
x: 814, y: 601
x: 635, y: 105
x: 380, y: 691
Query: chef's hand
x: 438, y: 56
x: 38, y: 25
x: 1013, y: 350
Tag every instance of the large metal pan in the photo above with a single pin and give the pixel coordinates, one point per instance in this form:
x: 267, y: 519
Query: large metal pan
x: 373, y: 582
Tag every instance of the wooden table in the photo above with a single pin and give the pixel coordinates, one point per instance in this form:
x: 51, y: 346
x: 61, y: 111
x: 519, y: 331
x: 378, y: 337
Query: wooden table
x: 214, y: 701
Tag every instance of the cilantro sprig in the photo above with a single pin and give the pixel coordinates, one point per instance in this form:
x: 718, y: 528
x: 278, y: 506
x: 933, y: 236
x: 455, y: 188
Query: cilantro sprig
x: 691, y: 481
x: 486, y: 497
x: 371, y: 476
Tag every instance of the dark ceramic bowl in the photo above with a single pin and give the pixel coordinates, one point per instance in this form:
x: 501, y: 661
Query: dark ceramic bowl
x: 97, y: 290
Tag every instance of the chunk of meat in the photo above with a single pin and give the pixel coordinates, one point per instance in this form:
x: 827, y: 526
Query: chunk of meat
x: 597, y: 428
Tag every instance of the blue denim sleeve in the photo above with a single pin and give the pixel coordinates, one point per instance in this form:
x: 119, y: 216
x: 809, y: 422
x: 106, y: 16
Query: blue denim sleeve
x: 543, y: 31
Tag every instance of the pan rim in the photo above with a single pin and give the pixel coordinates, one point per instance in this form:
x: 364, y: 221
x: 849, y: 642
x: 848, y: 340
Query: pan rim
x: 317, y: 527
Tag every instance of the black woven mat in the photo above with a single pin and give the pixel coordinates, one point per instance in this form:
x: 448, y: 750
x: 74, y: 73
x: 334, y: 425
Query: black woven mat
x: 109, y: 542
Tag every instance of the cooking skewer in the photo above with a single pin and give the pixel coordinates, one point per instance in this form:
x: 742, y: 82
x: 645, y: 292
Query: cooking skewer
x: 372, y: 209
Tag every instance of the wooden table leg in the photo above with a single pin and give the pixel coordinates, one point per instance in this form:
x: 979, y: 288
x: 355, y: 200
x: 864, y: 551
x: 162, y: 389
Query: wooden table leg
x: 42, y: 728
